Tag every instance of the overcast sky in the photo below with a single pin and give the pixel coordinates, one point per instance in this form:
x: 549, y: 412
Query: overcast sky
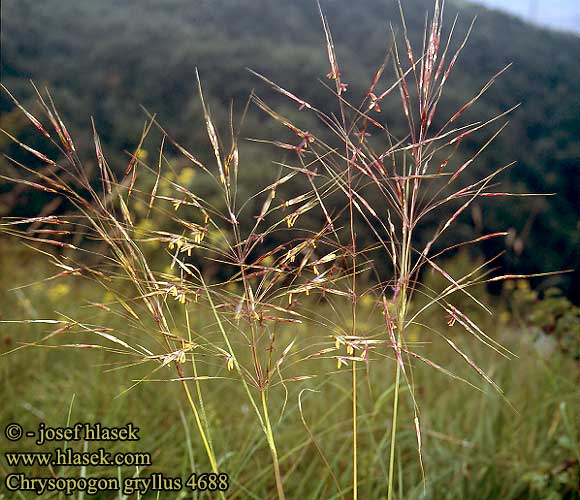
x: 559, y: 14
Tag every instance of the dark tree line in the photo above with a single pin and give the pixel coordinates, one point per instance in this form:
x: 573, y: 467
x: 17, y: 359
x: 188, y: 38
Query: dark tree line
x: 105, y: 58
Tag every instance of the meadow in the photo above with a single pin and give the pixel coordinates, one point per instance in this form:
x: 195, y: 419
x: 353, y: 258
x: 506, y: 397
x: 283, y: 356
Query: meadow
x: 475, y: 443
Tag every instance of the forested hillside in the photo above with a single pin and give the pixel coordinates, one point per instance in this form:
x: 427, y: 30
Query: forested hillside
x: 106, y: 58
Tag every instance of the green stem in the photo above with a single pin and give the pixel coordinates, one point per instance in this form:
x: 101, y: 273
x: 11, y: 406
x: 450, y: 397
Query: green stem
x: 197, y: 384
x: 202, y: 433
x: 206, y: 443
x: 400, y: 327
x: 354, y: 434
x: 273, y: 451
x: 402, y: 311
x: 265, y: 420
x: 394, y: 433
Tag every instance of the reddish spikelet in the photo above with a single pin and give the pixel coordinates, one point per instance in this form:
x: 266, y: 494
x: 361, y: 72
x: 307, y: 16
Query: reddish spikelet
x: 28, y: 115
x: 474, y: 157
x: 34, y: 185
x: 133, y: 179
x: 409, y: 51
x: 462, y: 110
x: 390, y: 324
x: 188, y: 155
x: 491, y: 235
x: 50, y: 231
x: 440, y: 68
x: 432, y: 51
x: 50, y: 219
x: 334, y: 73
x: 156, y: 185
x: 63, y: 329
x: 460, y: 137
x: 66, y: 139
x: 374, y: 102
x: 100, y: 306
x: 36, y: 153
x: 375, y: 81
x: 85, y: 203
x: 398, y: 185
x: 101, y: 161
x: 56, y: 243
x: 449, y: 68
x: 431, y: 114
x: 36, y: 123
x: 473, y: 365
x: 379, y: 165
x: 56, y: 121
x: 301, y: 103
x: 131, y: 162
x: 405, y: 96
x: 525, y: 276
x: 470, y: 103
x: 135, y: 155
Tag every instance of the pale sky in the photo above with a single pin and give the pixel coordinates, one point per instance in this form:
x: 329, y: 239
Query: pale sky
x: 559, y: 14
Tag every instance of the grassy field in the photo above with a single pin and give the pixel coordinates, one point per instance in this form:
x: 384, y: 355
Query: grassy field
x: 475, y: 444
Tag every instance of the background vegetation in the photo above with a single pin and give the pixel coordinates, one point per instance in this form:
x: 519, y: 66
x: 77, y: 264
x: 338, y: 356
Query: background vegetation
x: 475, y: 445
x: 106, y: 58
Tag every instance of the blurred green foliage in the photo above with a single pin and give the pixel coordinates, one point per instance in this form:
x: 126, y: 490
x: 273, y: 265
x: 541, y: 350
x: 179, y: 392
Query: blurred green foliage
x: 475, y: 445
x: 106, y: 58
x: 552, y: 319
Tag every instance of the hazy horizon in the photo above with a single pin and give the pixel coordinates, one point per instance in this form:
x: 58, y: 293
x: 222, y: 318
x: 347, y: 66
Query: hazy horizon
x: 563, y: 15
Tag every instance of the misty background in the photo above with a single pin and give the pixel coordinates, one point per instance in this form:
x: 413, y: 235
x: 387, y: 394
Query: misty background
x: 106, y: 59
